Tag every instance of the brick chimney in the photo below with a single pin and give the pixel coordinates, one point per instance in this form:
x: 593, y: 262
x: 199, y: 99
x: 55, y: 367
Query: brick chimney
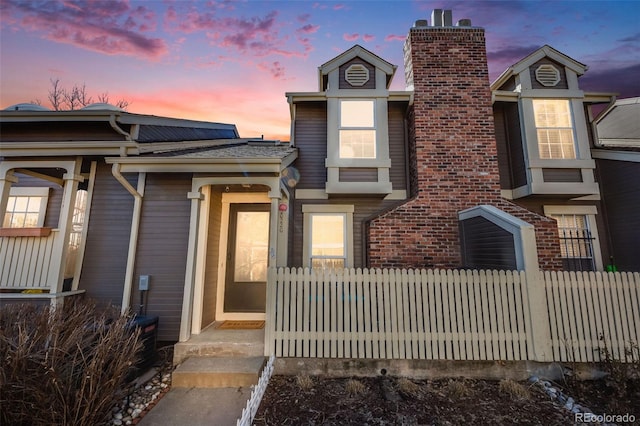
x: 452, y: 151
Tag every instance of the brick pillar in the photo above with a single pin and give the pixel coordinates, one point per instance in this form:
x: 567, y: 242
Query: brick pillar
x: 453, y: 155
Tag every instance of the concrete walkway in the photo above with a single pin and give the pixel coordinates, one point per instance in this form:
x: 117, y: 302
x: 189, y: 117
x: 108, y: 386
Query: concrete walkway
x: 198, y: 407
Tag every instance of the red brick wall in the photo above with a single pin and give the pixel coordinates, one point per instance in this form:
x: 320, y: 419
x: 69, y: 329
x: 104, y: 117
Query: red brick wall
x: 454, y: 154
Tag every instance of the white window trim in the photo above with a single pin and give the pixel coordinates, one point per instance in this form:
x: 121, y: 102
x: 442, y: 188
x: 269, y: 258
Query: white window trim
x: 309, y: 210
x: 590, y: 212
x: 42, y: 192
x: 373, y: 128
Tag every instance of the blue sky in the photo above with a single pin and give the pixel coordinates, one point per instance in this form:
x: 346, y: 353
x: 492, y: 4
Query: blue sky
x: 232, y: 61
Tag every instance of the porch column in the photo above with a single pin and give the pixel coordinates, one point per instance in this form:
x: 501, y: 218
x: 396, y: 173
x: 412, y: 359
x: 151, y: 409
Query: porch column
x: 61, y: 243
x: 5, y: 188
x: 189, y: 276
x: 273, y: 235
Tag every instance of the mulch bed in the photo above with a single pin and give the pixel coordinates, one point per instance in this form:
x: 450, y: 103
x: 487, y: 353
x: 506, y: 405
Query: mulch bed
x: 392, y: 401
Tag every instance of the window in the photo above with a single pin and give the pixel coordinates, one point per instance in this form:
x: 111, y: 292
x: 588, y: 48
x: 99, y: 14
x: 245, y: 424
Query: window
x: 328, y: 236
x: 578, y: 233
x: 554, y: 129
x: 26, y: 208
x: 357, y: 129
x: 75, y: 233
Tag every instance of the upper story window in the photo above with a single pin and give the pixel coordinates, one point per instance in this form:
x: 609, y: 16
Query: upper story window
x: 26, y: 208
x: 554, y: 128
x: 357, y: 129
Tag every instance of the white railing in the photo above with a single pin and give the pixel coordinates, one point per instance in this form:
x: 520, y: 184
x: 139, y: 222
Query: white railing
x: 25, y: 262
x: 449, y: 314
x: 249, y: 412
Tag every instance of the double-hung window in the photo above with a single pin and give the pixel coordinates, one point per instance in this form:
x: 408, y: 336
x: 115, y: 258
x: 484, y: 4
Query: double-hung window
x: 357, y: 129
x: 554, y: 128
x: 328, y: 236
x: 26, y: 208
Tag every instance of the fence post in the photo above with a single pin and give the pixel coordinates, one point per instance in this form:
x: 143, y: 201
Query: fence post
x: 538, y: 316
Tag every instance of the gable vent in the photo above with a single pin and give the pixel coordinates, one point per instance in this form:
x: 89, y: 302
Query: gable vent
x: 547, y: 75
x: 357, y: 75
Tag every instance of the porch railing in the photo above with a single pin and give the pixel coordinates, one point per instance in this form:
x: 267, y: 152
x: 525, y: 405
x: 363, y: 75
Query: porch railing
x: 25, y: 262
x: 451, y: 314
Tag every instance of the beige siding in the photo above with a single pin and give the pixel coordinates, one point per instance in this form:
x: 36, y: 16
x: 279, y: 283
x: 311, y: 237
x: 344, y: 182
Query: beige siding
x: 213, y: 260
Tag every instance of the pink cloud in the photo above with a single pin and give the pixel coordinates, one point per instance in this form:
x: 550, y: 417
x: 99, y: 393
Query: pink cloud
x: 303, y: 18
x: 395, y: 37
x: 339, y: 6
x: 368, y: 37
x: 110, y: 28
x: 351, y: 37
x: 308, y: 29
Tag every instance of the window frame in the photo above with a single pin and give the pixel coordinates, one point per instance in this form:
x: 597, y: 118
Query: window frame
x: 28, y: 192
x: 358, y: 128
x: 541, y: 128
x: 589, y: 212
x: 311, y: 210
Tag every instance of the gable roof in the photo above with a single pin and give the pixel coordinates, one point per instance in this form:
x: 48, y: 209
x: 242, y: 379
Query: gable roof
x: 545, y: 51
x: 361, y: 52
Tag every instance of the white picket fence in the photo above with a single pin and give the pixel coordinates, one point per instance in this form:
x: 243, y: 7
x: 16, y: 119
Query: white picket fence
x: 253, y: 403
x: 450, y: 314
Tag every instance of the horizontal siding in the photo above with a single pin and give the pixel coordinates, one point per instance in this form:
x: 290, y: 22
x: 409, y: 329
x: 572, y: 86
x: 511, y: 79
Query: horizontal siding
x: 486, y: 246
x: 311, y: 140
x: 105, y: 258
x: 504, y: 163
x: 162, y: 249
x: 358, y: 175
x: 397, y: 145
x: 623, y: 210
x: 562, y: 175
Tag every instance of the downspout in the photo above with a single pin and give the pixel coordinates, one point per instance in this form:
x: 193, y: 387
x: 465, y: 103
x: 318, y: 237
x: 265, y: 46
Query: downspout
x: 135, y: 226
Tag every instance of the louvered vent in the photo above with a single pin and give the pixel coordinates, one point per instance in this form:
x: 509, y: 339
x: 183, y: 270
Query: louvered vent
x: 547, y: 75
x: 357, y: 75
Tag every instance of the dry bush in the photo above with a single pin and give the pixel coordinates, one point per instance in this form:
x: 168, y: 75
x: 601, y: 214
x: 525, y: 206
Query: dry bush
x: 457, y: 389
x: 407, y: 387
x: 514, y: 389
x: 304, y: 382
x: 354, y: 387
x: 64, y: 366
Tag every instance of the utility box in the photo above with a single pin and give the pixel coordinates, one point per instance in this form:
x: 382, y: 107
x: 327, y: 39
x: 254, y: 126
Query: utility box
x: 148, y: 326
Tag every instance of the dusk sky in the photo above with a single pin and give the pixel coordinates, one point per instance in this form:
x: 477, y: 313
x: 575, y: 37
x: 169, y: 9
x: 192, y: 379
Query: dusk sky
x: 232, y: 62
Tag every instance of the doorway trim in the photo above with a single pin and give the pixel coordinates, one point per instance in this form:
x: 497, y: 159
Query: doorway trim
x: 227, y: 200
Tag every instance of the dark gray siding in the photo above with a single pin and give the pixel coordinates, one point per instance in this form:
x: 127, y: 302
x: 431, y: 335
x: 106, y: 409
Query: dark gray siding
x: 509, y: 145
x: 371, y: 84
x: 311, y: 140
x: 358, y: 175
x: 52, y: 214
x: 620, y: 186
x: 364, y: 209
x: 562, y: 175
x: 105, y: 258
x: 562, y: 84
x: 485, y: 245
x: 162, y: 249
x: 397, y: 144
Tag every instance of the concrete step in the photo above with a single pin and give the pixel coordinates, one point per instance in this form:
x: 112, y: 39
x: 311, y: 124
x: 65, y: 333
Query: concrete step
x: 217, y: 372
x: 221, y: 343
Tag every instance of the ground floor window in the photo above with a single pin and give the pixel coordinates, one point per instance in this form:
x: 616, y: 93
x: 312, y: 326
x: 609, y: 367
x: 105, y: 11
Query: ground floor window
x: 578, y: 237
x: 328, y: 236
x: 26, y: 208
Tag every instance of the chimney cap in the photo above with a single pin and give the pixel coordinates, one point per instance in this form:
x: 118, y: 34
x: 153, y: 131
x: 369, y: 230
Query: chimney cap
x: 464, y: 23
x: 421, y: 23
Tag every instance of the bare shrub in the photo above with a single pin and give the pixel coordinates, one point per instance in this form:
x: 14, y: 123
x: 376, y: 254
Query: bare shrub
x: 457, y: 389
x: 355, y: 387
x: 514, y: 389
x: 408, y: 388
x: 64, y: 366
x: 304, y: 382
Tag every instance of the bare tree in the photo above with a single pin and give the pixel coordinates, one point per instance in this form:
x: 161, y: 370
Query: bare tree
x: 76, y: 97
x: 56, y: 94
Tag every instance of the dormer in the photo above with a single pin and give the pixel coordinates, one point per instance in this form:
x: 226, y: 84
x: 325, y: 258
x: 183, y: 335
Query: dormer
x: 543, y: 112
x: 356, y: 86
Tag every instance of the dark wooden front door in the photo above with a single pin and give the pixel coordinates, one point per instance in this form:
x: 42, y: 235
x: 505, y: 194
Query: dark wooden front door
x: 247, y: 258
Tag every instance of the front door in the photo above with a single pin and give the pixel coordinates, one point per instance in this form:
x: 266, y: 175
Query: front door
x: 247, y: 258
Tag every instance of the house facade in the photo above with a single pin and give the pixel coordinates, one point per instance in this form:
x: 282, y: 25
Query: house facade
x: 182, y: 219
